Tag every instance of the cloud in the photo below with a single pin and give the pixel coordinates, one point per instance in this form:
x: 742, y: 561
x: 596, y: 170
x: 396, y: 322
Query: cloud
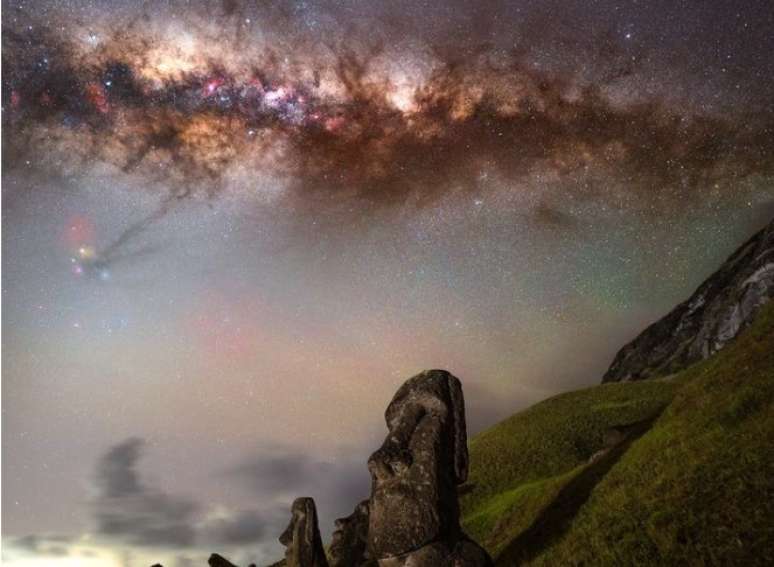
x: 278, y: 472
x: 47, y: 545
x: 249, y: 526
x: 283, y: 475
x: 184, y: 561
x: 116, y: 473
x: 129, y: 510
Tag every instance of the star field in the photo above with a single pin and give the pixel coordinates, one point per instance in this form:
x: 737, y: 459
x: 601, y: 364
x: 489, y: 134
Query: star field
x: 231, y: 230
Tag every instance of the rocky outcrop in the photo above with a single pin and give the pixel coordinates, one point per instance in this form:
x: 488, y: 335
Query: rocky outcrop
x: 350, y: 539
x: 723, y: 306
x: 302, y: 536
x: 414, y: 510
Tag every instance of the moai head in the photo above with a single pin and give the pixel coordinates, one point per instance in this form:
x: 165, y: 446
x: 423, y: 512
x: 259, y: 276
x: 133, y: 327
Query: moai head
x: 416, y: 471
x: 302, y: 536
x: 349, y: 541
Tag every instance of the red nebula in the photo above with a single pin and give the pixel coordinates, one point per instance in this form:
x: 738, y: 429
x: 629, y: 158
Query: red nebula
x: 96, y: 96
x: 333, y: 124
x: 78, y: 232
x: 211, y: 86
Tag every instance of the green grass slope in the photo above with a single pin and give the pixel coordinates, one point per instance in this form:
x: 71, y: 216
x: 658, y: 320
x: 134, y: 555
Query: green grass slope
x: 692, y: 485
x: 519, y: 465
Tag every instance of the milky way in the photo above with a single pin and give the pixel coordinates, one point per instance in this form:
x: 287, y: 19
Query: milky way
x: 349, y: 115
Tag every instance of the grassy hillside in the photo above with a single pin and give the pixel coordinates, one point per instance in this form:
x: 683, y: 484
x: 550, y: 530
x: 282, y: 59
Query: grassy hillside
x: 691, y: 484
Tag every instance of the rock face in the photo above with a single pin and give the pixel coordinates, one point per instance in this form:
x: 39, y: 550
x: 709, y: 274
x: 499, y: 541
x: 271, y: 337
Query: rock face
x: 722, y: 307
x: 350, y: 540
x: 302, y: 537
x: 414, y: 511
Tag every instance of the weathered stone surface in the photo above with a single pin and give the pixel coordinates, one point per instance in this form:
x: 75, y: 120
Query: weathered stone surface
x: 216, y: 560
x: 349, y: 542
x: 462, y: 553
x: 302, y: 537
x: 723, y: 306
x: 414, y: 511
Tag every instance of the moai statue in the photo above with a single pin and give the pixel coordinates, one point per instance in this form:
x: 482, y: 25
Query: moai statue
x: 302, y: 537
x: 414, y: 511
x: 350, y: 540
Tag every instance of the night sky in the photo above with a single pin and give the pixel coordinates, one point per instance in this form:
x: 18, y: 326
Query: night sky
x: 231, y: 231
